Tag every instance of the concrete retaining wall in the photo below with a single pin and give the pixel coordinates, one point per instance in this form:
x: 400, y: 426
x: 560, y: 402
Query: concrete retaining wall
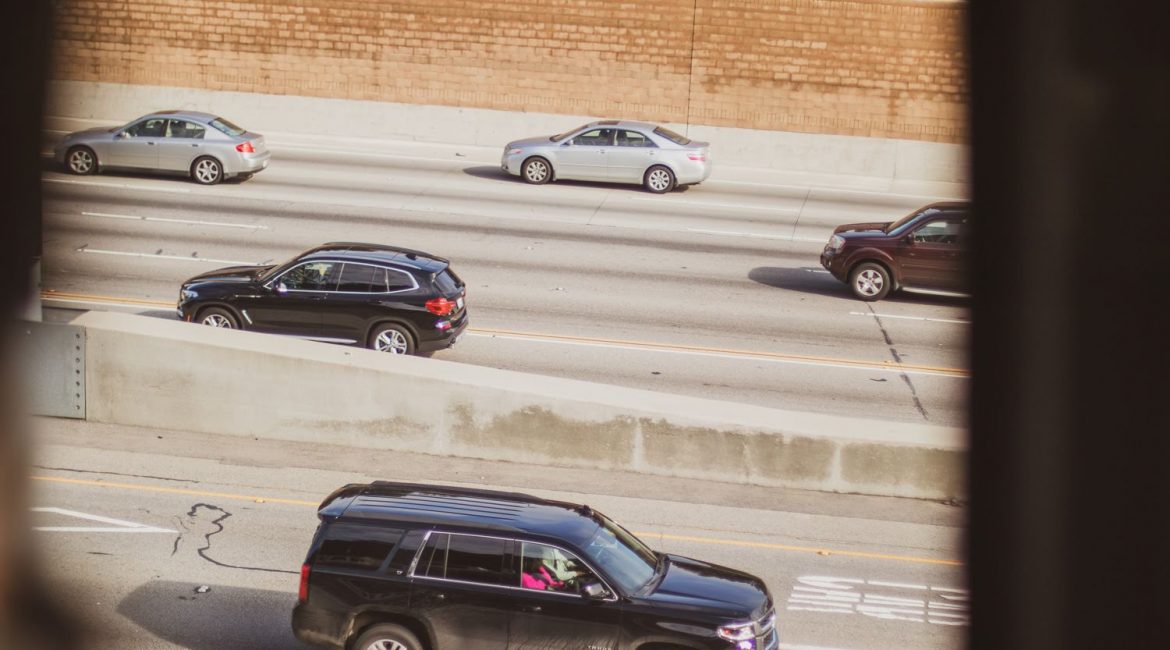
x: 879, y: 158
x: 150, y: 372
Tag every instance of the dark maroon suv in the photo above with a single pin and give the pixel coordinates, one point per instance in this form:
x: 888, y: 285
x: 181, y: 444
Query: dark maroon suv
x: 924, y: 251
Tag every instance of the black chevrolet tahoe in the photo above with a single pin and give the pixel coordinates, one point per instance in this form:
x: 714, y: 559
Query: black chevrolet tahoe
x: 398, y: 566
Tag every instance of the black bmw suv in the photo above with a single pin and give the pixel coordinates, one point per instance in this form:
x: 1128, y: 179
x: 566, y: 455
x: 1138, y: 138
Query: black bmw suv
x: 390, y: 299
x: 422, y: 567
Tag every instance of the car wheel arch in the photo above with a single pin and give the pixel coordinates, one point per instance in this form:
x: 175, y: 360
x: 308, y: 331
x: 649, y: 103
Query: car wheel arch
x: 548, y: 160
x: 410, y: 329
x: 243, y: 322
x: 362, y: 621
x: 879, y: 258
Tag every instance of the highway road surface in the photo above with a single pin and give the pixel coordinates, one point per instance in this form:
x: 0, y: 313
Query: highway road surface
x: 715, y: 291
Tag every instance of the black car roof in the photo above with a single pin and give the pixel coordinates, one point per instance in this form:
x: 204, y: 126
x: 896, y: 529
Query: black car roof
x: 378, y: 253
x: 437, y: 506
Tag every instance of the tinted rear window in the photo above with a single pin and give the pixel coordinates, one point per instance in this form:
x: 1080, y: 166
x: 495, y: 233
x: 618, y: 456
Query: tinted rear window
x: 467, y: 558
x: 449, y: 284
x: 672, y: 136
x: 356, y: 547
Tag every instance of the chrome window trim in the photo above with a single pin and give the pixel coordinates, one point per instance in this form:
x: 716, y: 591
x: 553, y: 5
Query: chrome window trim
x: 426, y: 538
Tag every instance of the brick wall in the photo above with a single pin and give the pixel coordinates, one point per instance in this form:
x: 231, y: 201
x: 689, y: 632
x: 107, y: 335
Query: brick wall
x: 881, y: 68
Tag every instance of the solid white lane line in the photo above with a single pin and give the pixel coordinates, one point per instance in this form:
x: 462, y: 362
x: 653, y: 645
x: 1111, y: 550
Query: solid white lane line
x: 120, y: 526
x: 195, y: 222
x: 734, y: 233
x: 876, y: 367
x: 706, y: 204
x: 161, y: 256
x: 955, y: 321
x: 121, y: 186
x: 276, y: 147
x: 104, y: 303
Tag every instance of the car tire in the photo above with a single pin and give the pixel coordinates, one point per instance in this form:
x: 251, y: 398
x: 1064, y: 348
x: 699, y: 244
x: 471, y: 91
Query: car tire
x: 218, y: 317
x: 870, y: 281
x: 207, y: 171
x: 386, y: 636
x: 391, y: 338
x: 658, y: 179
x: 81, y: 161
x: 536, y: 171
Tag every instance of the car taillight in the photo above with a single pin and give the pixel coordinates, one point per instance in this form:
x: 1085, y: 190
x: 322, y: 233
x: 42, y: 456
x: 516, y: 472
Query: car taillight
x: 303, y: 592
x: 697, y: 155
x: 440, y: 306
x: 246, y: 147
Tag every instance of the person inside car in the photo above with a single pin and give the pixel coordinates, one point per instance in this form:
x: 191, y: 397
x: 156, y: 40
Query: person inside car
x: 537, y: 576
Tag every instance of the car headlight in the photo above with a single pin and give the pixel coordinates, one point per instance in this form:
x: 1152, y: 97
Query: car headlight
x: 836, y: 243
x: 514, y: 150
x: 741, y: 632
x: 188, y: 294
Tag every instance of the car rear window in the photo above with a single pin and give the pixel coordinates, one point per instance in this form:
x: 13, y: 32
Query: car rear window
x: 352, y: 546
x: 449, y: 284
x: 672, y: 136
x: 227, y: 127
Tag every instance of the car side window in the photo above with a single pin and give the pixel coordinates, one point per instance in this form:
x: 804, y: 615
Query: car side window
x: 633, y: 139
x: 547, y: 568
x: 394, y: 281
x: 467, y: 558
x: 310, y: 276
x: 185, y: 129
x: 351, y: 546
x: 595, y: 138
x: 152, y: 128
x: 939, y: 231
x: 359, y: 278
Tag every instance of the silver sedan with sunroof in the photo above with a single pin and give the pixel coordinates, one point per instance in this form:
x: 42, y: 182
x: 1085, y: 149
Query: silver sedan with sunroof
x: 611, y: 151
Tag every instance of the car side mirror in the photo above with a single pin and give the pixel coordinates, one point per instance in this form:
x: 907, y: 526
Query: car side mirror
x: 279, y: 289
x: 567, y: 143
x: 123, y: 134
x: 594, y: 591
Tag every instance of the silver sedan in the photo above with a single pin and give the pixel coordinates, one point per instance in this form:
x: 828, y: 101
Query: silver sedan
x: 613, y: 151
x: 206, y: 147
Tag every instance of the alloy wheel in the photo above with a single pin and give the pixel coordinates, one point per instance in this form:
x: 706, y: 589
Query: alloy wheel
x: 869, y: 282
x: 207, y: 171
x: 81, y: 161
x: 217, y: 320
x: 386, y: 644
x: 391, y: 341
x: 658, y: 180
x: 536, y: 171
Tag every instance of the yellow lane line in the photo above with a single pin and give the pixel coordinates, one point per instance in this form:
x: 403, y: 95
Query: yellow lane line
x: 825, y: 552
x: 958, y: 372
x: 63, y: 295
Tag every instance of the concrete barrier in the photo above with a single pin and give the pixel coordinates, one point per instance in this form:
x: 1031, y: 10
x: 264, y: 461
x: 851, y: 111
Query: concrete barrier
x: 894, y: 162
x: 144, y: 371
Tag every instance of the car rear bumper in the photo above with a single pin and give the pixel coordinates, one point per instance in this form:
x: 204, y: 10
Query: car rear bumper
x: 443, y: 339
x: 251, y: 163
x: 691, y: 172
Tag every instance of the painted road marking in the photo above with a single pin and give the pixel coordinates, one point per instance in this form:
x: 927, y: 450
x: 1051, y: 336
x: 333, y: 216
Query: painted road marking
x: 161, y: 256
x: 219, y: 224
x: 121, y: 186
x: 885, y: 600
x: 956, y: 321
x: 117, y: 525
x: 775, y: 357
x: 709, y: 204
x: 820, y: 552
x: 733, y: 233
x: 619, y: 344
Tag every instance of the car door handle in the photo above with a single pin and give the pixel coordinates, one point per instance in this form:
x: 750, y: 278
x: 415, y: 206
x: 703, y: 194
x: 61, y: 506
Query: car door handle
x: 150, y: 143
x: 194, y: 144
x: 441, y: 596
x: 532, y: 608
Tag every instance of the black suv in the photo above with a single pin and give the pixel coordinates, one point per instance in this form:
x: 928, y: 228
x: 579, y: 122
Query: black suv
x: 391, y: 299
x: 411, y: 567
x: 924, y: 251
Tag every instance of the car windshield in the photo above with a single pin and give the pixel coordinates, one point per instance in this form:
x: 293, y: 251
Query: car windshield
x: 227, y: 127
x: 562, y: 136
x: 621, y: 555
x: 896, y: 227
x: 672, y: 136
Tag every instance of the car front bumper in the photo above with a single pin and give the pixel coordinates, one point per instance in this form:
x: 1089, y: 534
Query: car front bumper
x: 510, y: 164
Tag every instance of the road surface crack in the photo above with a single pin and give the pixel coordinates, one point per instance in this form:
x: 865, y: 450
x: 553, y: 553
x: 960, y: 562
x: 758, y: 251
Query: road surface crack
x: 205, y: 520
x: 898, y: 360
